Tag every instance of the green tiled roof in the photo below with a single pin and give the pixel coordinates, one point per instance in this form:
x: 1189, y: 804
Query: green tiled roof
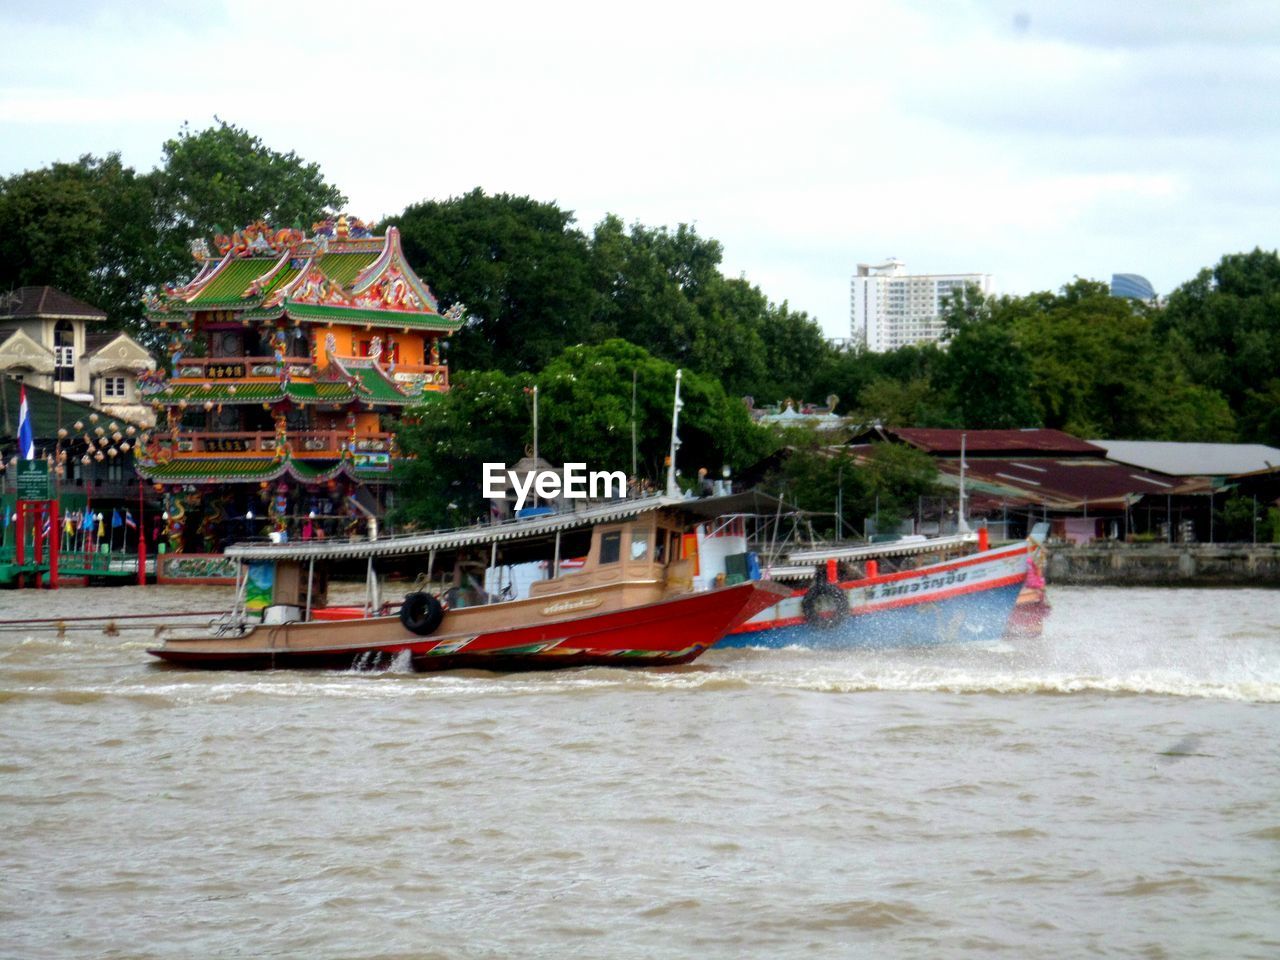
x: 285, y: 275
x: 376, y: 318
x: 376, y: 386
x: 308, y: 470
x: 322, y: 392
x: 230, y: 283
x: 343, y: 267
x: 216, y: 468
x: 220, y: 392
x: 252, y: 470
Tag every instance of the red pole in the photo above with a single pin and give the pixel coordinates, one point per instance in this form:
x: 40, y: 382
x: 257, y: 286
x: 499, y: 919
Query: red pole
x: 831, y: 571
x: 873, y: 569
x: 21, y: 554
x: 142, y: 538
x: 984, y: 540
x: 37, y: 534
x: 54, y: 532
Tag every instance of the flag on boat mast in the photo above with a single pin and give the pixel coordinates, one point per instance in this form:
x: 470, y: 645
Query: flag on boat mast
x: 673, y: 489
x: 26, y: 439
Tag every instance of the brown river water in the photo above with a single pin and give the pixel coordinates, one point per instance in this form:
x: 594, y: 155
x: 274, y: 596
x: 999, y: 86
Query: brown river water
x: 1111, y: 789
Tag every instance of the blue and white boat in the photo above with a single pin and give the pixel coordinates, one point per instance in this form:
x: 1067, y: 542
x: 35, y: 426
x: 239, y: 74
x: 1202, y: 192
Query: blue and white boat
x: 961, y: 597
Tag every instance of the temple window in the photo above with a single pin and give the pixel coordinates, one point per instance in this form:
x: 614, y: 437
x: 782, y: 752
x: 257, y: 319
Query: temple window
x: 114, y: 388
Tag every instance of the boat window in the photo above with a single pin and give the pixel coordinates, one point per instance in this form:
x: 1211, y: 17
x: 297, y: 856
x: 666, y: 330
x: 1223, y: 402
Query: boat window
x: 639, y: 544
x: 660, y: 547
x: 610, y: 546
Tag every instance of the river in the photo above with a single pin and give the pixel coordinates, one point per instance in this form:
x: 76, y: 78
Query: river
x: 1111, y: 789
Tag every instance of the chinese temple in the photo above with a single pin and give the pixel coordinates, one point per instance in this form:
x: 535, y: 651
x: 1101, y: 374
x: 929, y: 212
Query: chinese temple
x: 292, y: 357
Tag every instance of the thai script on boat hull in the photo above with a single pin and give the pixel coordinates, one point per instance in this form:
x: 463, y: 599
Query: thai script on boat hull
x: 885, y: 591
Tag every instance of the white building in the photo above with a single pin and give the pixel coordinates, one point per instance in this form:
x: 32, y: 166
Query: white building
x: 890, y: 308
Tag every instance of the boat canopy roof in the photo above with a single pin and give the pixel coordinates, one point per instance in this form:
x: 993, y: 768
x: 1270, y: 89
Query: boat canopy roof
x: 890, y: 548
x: 524, y: 529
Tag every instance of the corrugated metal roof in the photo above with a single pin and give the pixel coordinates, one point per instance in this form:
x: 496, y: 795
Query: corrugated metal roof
x: 1193, y: 459
x: 1066, y: 483
x: 420, y: 543
x: 978, y: 442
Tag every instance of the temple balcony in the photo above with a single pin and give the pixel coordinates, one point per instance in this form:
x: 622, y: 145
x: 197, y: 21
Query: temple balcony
x: 431, y: 376
x: 320, y: 444
x: 240, y: 368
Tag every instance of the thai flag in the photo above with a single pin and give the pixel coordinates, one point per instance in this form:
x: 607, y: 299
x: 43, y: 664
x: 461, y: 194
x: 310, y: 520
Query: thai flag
x: 129, y: 521
x: 26, y: 440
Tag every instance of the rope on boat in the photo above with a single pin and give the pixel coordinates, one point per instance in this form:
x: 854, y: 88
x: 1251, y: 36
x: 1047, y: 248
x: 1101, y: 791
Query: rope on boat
x: 112, y: 616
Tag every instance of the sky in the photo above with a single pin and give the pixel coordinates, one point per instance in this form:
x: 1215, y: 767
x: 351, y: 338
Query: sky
x: 1035, y: 141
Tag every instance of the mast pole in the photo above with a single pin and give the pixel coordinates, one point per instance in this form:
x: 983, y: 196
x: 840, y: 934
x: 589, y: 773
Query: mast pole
x: 962, y: 525
x: 672, y: 489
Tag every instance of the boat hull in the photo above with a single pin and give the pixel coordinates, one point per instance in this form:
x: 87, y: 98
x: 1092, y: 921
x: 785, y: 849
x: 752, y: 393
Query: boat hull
x: 957, y: 601
x: 663, y: 633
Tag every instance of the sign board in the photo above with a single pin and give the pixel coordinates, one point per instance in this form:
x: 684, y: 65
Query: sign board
x: 33, y: 480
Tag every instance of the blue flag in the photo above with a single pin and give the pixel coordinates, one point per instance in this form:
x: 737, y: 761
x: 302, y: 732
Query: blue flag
x: 26, y: 439
x: 116, y: 519
x: 87, y: 522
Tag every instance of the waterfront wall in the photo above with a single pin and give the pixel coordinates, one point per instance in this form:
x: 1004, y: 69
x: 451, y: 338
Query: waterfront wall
x: 1165, y: 564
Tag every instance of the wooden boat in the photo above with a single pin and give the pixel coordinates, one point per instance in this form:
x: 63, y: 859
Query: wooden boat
x: 962, y: 595
x: 631, y: 603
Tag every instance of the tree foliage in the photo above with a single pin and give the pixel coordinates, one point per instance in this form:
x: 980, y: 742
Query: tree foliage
x: 1224, y: 328
x: 105, y: 233
x: 585, y: 415
x: 884, y: 481
x: 517, y: 264
x: 534, y: 284
x: 223, y: 177
x: 89, y: 228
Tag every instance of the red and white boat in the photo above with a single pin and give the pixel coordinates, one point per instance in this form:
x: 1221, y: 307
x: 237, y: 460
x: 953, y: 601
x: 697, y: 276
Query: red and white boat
x: 631, y: 603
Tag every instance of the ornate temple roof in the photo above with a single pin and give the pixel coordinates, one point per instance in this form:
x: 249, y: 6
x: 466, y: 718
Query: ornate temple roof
x: 341, y: 273
x: 254, y: 469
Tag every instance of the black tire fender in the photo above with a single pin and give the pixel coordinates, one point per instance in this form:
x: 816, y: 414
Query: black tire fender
x: 825, y: 606
x: 421, y: 613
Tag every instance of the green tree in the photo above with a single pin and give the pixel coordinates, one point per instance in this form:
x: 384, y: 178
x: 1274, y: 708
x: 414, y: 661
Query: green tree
x: 1078, y: 360
x: 1224, y: 326
x: 517, y: 264
x: 986, y: 374
x: 89, y: 228
x: 885, y: 481
x: 225, y: 177
x: 584, y: 416
x: 586, y: 396
x: 484, y: 418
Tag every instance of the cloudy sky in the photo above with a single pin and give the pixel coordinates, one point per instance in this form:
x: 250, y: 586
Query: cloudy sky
x: 1033, y: 140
